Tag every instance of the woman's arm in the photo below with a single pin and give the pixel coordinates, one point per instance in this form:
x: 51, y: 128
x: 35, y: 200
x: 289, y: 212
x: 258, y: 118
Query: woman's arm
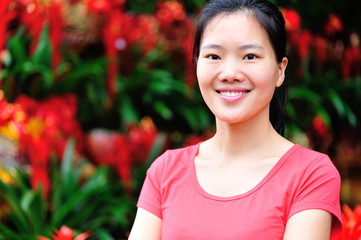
x: 313, y: 224
x: 146, y: 226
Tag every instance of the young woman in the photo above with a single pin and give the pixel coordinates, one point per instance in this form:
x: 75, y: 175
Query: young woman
x: 247, y: 181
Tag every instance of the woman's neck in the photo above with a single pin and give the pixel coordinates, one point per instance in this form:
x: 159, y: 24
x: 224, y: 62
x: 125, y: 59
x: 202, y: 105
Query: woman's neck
x: 246, y: 140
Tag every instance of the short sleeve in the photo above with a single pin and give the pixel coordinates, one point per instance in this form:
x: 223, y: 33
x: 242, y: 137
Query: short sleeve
x: 150, y: 197
x: 320, y: 189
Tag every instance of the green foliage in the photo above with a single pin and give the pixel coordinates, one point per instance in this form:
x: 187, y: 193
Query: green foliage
x: 324, y: 94
x: 160, y: 94
x: 98, y: 203
x: 27, y: 74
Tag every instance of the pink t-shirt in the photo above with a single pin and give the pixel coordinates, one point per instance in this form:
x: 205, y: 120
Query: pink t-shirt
x: 302, y: 179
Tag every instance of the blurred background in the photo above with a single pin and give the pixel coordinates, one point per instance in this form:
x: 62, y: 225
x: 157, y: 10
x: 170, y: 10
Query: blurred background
x: 92, y: 91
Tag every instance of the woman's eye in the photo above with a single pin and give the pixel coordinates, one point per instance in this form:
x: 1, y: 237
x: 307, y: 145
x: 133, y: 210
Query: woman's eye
x: 213, y: 57
x: 250, y: 57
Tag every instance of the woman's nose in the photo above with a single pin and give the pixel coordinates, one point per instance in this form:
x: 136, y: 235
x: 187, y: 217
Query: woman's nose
x: 231, y: 71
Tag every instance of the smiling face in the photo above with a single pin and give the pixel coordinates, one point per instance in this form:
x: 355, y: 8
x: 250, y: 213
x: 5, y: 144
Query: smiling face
x: 237, y: 68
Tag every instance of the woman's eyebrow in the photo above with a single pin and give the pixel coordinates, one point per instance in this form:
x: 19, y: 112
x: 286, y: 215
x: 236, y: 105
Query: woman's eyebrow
x: 250, y: 46
x: 211, y: 46
x: 242, y: 47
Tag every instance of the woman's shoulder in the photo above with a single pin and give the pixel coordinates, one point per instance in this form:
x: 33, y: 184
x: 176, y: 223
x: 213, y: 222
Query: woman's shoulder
x: 178, y: 156
x: 308, y: 160
x: 305, y: 154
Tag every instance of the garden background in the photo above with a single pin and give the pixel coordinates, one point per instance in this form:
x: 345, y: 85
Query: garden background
x: 92, y: 91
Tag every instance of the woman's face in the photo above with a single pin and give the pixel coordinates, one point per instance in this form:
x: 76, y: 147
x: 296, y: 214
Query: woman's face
x: 237, y: 69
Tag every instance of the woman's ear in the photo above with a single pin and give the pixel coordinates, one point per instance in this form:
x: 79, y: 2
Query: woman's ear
x: 282, y: 68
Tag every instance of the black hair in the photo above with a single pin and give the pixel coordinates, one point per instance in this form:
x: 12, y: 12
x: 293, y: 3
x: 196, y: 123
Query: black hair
x: 271, y: 19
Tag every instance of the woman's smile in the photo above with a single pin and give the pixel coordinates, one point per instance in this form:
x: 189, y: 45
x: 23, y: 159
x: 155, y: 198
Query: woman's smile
x: 232, y: 95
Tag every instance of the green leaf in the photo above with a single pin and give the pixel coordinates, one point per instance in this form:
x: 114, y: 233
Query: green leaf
x: 71, y: 204
x: 156, y: 148
x: 12, y: 199
x: 17, y: 47
x: 191, y: 117
x: 127, y: 110
x: 83, y: 72
x: 351, y: 117
x: 34, y: 206
x: 303, y: 94
x: 97, y: 180
x: 42, y: 54
x: 337, y: 102
x: 7, y: 233
x: 291, y: 111
x: 103, y: 234
x: 162, y: 109
x: 67, y: 175
x: 161, y: 82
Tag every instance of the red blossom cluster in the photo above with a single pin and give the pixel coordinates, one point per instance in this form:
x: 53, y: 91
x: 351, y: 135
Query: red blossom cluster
x: 7, y: 14
x: 42, y: 129
x: 327, y: 47
x: 121, y: 31
x: 66, y: 233
x: 299, y: 38
x: 351, y: 223
x: 35, y: 16
x: 118, y: 30
x: 176, y: 33
x: 169, y: 12
x: 122, y: 151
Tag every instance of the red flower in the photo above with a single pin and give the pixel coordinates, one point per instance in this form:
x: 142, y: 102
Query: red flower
x: 56, y: 24
x: 292, y: 20
x: 121, y: 157
x: 34, y: 18
x: 320, y: 46
x: 142, y: 138
x: 190, y: 62
x: 351, y: 64
x: 169, y: 12
x: 40, y: 179
x: 98, y: 145
x: 104, y: 6
x: 46, y: 128
x: 319, y: 126
x: 351, y: 223
x: 38, y: 152
x: 66, y: 233
x: 111, y: 149
x: 118, y: 35
x: 304, y: 44
x: 333, y: 25
x: 146, y: 25
x: 122, y: 151
x: 7, y: 14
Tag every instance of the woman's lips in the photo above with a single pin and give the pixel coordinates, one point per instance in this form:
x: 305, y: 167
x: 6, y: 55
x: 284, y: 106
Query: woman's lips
x: 232, y: 95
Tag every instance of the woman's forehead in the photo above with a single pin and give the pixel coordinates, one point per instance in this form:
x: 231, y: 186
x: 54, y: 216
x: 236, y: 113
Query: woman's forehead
x: 237, y: 23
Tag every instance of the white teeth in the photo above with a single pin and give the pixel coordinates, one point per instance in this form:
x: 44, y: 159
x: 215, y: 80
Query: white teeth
x: 231, y: 93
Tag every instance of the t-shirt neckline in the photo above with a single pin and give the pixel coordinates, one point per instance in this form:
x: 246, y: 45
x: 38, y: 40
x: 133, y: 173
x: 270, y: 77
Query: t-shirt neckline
x: 268, y: 176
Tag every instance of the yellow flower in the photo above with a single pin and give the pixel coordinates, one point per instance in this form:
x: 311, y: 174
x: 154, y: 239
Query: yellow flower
x: 5, y: 177
x: 35, y: 127
x: 10, y: 131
